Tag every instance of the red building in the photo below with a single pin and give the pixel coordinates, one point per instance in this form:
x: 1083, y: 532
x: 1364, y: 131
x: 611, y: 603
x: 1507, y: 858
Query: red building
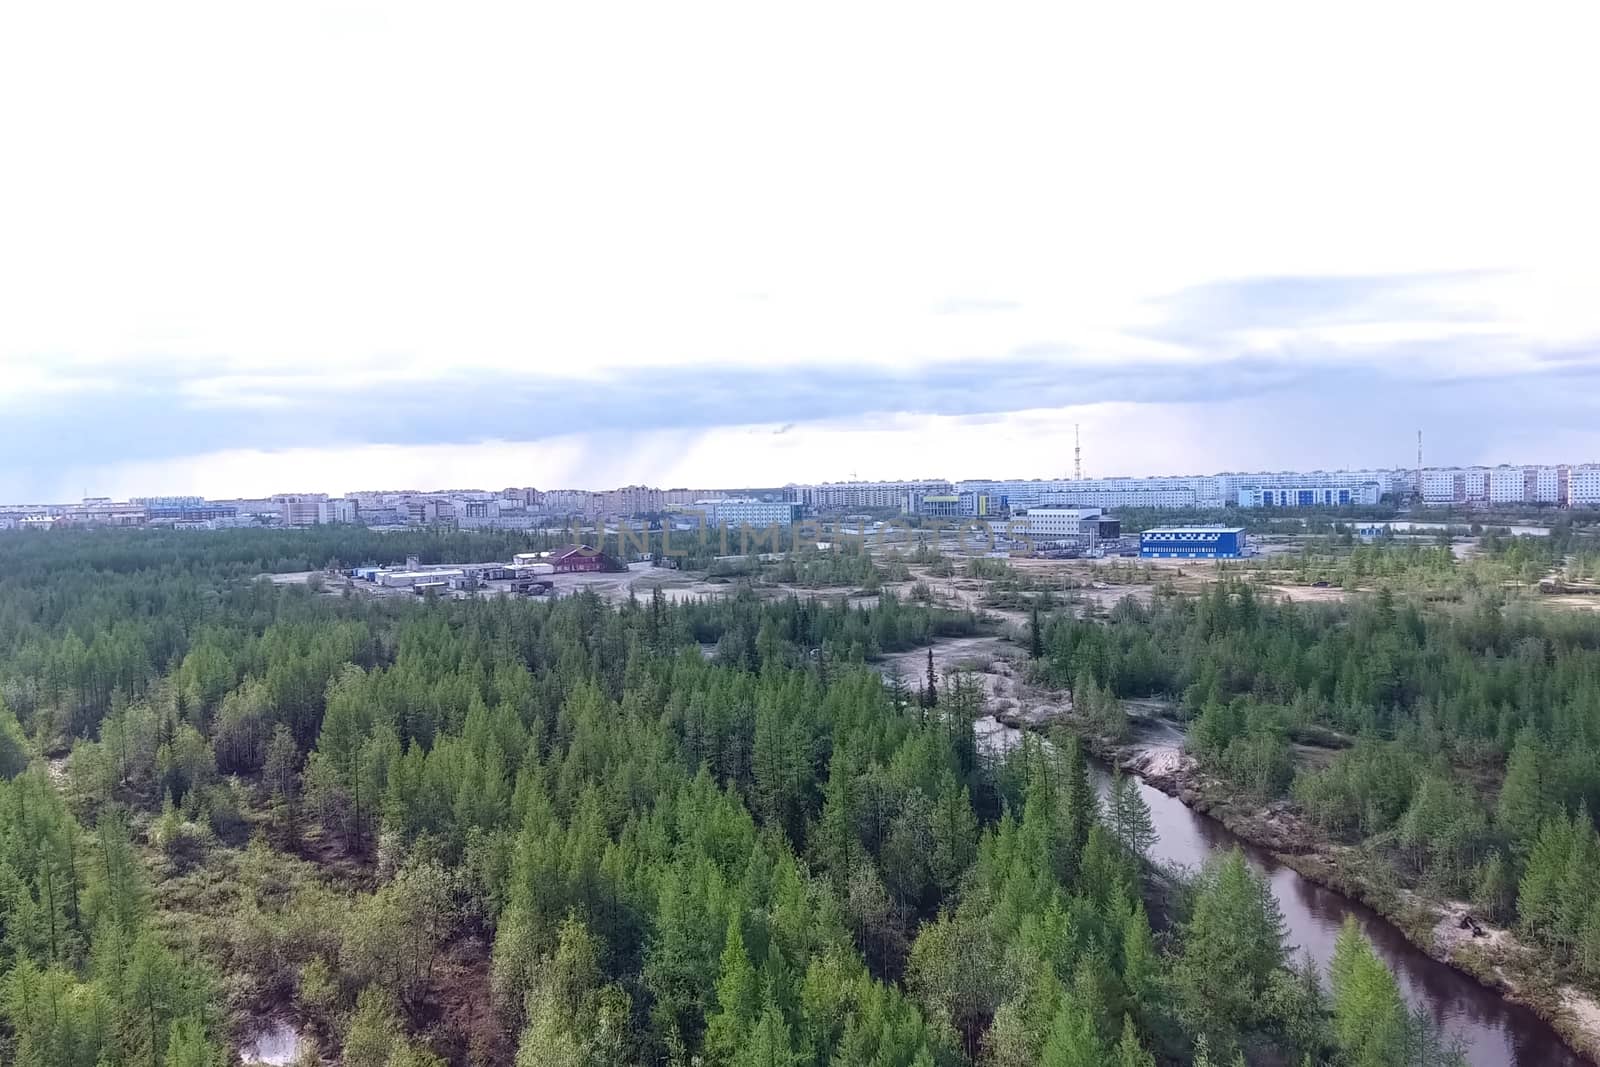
x: 571, y: 558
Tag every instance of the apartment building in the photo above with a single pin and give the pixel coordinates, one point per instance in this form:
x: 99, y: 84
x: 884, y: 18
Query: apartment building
x: 298, y: 509
x: 1534, y: 484
x: 847, y: 496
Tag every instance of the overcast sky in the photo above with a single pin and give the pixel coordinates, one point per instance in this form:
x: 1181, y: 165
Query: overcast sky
x: 248, y: 248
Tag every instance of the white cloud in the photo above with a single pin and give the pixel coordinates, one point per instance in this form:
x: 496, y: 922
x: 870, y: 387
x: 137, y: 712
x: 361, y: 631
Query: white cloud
x: 253, y: 194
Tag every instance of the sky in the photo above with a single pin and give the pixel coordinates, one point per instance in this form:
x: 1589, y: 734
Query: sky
x: 331, y: 246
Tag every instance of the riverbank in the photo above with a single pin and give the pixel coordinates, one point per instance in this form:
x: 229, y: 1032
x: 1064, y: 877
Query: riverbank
x: 1443, y: 930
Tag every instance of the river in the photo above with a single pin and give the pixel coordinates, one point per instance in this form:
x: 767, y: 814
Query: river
x: 1492, y: 1031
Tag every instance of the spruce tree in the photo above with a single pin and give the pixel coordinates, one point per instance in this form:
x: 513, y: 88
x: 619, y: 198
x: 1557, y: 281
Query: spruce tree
x: 1129, y: 816
x: 1078, y: 798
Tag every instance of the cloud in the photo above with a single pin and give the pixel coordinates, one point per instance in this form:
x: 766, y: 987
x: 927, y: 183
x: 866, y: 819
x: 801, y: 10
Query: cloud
x: 150, y: 414
x: 1347, y: 408
x: 1266, y: 359
x: 1338, y: 422
x: 1204, y: 312
x: 974, y: 306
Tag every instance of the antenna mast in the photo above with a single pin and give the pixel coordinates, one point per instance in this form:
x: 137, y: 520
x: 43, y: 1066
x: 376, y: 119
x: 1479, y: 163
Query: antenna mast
x: 1077, y: 454
x: 1419, y: 463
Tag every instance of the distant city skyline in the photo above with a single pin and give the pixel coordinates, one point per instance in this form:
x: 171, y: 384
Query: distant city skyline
x: 1551, y: 482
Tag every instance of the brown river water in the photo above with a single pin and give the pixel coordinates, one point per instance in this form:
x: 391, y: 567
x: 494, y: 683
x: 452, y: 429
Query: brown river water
x: 1492, y: 1031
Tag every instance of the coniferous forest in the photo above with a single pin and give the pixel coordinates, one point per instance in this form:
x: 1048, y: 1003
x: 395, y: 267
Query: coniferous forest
x: 572, y: 833
x: 1466, y: 738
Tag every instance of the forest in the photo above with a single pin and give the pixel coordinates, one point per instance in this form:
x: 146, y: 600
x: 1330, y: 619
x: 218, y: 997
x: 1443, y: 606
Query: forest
x: 1460, y: 737
x: 571, y: 833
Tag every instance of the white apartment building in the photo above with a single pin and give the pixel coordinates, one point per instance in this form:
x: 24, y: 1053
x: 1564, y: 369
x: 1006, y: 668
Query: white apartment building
x: 1534, y: 484
x: 299, y: 509
x: 630, y: 500
x: 477, y: 512
x: 1019, y: 494
x: 1165, y: 497
x: 1507, y: 485
x: 572, y: 502
x: 1439, y: 486
x: 1550, y: 485
x: 1525, y: 485
x: 1312, y: 496
x: 844, y: 496
x: 338, y: 510
x: 749, y: 511
x: 428, y: 511
x: 1229, y: 484
x: 1203, y: 490
x: 1583, y: 485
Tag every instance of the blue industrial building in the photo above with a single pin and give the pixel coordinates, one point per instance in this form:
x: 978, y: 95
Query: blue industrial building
x: 1193, y: 542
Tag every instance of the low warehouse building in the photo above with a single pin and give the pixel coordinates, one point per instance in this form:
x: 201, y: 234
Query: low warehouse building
x: 410, y: 579
x: 578, y: 558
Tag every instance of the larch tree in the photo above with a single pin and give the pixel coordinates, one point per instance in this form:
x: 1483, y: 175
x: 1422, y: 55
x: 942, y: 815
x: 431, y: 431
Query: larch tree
x: 1232, y: 945
x: 1370, y: 1020
x: 738, y: 999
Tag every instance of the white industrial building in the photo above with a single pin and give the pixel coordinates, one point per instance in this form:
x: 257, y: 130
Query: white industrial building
x: 1057, y: 524
x: 940, y: 505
